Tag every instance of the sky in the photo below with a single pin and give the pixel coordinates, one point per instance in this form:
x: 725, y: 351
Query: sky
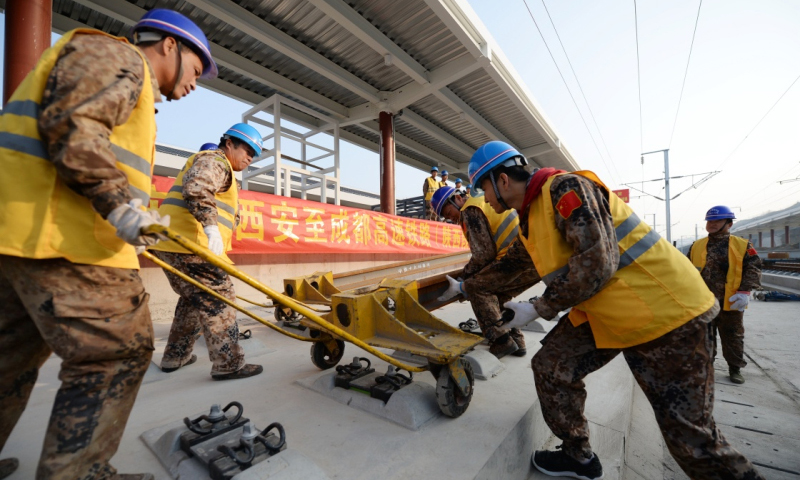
x: 744, y: 58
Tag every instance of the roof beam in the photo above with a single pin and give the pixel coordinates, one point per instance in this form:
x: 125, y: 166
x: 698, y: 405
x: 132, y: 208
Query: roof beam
x: 284, y: 43
x: 417, y: 121
x: 456, y: 103
x: 537, y: 150
x: 401, y: 139
x: 362, y: 29
x: 130, y: 14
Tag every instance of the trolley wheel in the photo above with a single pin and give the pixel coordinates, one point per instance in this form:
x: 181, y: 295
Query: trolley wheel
x: 451, y: 401
x: 284, y: 314
x: 325, y: 359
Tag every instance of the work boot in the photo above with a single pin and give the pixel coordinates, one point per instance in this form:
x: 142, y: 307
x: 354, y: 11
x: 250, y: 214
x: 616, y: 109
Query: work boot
x: 248, y: 370
x: 519, y: 339
x: 736, y: 375
x: 191, y: 360
x: 8, y: 466
x: 559, y: 464
x: 134, y: 476
x: 502, y: 346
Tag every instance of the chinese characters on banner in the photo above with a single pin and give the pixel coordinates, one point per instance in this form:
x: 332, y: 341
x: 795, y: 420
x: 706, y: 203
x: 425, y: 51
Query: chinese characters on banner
x: 273, y: 224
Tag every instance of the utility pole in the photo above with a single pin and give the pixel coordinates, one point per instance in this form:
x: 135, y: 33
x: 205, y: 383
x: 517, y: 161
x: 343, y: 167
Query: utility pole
x: 666, y: 188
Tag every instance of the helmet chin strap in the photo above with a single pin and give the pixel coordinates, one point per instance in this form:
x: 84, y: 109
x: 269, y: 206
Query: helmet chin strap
x: 722, y: 227
x: 178, y: 77
x: 497, y: 192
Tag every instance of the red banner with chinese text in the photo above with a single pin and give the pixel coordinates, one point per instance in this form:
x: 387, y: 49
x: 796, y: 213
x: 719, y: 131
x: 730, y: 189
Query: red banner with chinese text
x: 274, y: 224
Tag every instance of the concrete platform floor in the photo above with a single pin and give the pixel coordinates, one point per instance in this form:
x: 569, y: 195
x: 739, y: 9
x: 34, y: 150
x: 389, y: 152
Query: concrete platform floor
x: 761, y: 418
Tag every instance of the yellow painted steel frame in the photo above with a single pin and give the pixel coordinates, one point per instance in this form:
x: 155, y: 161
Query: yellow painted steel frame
x: 283, y: 300
x: 316, y: 288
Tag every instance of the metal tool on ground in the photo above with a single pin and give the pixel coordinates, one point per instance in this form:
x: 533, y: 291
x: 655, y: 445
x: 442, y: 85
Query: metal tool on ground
x: 346, y: 374
x: 253, y: 447
x: 215, y: 423
x: 386, y: 385
x: 363, y: 317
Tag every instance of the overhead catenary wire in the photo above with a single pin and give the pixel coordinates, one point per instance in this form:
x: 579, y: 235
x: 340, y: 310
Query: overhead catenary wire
x: 580, y: 87
x: 685, y: 74
x: 588, y: 130
x: 730, y: 155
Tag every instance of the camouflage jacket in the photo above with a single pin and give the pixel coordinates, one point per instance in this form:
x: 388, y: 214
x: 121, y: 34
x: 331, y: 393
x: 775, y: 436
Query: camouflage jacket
x: 589, y: 230
x: 715, y: 273
x: 208, y: 175
x: 481, y: 241
x: 93, y: 87
x: 499, y: 271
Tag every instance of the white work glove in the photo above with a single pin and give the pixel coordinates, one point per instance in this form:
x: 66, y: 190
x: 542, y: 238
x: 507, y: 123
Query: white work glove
x: 739, y: 301
x: 524, y: 313
x: 130, y: 219
x: 214, y: 239
x: 453, y: 290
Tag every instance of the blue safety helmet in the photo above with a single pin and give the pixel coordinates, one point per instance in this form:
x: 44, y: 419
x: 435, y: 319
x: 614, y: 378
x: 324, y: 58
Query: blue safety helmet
x: 208, y: 146
x: 720, y: 212
x: 434, y: 169
x: 444, y: 172
x: 469, y: 186
x: 458, y: 180
x: 174, y: 24
x: 440, y: 197
x: 248, y: 135
x: 490, y: 156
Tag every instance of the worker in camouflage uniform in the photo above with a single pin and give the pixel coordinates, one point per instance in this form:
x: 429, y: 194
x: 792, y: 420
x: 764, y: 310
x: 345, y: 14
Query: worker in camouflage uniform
x: 77, y: 153
x: 203, y: 207
x: 489, y: 235
x: 630, y: 292
x: 731, y: 268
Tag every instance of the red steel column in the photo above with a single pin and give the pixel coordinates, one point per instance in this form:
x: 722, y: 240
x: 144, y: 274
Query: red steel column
x: 28, y: 26
x: 771, y: 238
x: 386, y: 121
x: 786, y: 236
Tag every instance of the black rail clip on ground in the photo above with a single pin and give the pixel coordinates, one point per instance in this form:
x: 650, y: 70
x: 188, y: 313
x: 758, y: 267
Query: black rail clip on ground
x: 253, y: 447
x: 387, y: 384
x: 215, y: 423
x: 358, y: 368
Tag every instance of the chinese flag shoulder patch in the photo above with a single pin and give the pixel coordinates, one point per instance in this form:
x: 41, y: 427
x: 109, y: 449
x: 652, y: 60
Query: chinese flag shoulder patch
x: 752, y: 251
x: 568, y: 203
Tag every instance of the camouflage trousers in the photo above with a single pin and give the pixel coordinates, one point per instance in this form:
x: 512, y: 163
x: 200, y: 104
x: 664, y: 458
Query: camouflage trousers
x: 198, y: 312
x: 96, y: 319
x: 730, y: 326
x: 676, y: 374
x: 487, y: 301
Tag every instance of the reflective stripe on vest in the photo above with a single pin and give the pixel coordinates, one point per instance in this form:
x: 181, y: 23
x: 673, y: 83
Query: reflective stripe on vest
x: 654, y: 290
x: 737, y: 248
x: 45, y: 218
x: 504, y: 226
x: 628, y: 256
x: 184, y: 223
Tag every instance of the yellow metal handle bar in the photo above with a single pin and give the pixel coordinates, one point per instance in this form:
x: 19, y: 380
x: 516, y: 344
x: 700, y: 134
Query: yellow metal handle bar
x: 287, y: 302
x: 216, y: 295
x: 251, y: 302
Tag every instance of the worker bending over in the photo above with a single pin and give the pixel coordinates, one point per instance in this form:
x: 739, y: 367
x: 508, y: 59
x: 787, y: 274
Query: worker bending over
x: 203, y: 205
x: 731, y: 268
x: 631, y: 292
x: 77, y: 154
x: 489, y: 235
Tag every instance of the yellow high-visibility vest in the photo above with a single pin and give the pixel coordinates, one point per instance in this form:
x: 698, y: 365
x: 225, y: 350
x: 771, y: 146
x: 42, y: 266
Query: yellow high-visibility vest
x: 654, y: 290
x: 504, y: 226
x: 431, y: 185
x: 737, y: 247
x: 40, y: 217
x: 184, y: 223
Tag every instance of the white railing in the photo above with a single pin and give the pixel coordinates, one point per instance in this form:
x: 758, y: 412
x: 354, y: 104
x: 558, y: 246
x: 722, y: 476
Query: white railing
x: 285, y: 178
